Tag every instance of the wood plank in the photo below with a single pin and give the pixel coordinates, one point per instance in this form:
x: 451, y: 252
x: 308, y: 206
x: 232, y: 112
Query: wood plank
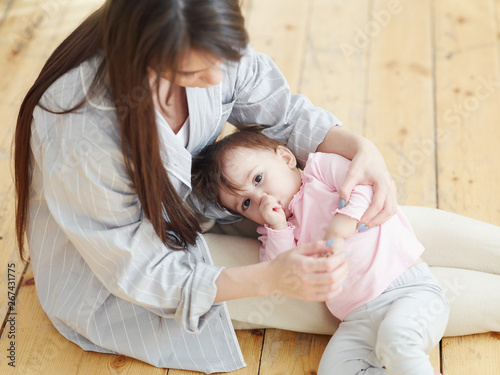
x: 467, y: 111
x: 28, y: 35
x: 277, y: 28
x: 334, y: 75
x: 467, y: 108
x: 98, y: 363
x: 474, y: 354
x: 291, y: 353
x: 251, y: 345
x: 435, y: 358
x: 400, y: 109
x: 4, y: 9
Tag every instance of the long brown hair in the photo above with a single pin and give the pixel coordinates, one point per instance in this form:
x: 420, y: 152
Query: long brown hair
x: 133, y: 37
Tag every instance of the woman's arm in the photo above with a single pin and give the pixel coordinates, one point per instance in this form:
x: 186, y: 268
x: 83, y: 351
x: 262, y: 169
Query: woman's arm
x: 294, y: 274
x: 367, y: 167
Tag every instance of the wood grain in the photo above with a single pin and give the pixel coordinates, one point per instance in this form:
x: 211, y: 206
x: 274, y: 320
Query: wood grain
x: 334, y: 76
x: 291, y: 353
x: 399, y: 107
x: 473, y: 354
x: 467, y: 135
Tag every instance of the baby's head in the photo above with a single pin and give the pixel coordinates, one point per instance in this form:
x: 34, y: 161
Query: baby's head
x: 240, y: 169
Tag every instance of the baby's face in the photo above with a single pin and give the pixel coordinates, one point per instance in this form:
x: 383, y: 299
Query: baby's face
x: 260, y: 172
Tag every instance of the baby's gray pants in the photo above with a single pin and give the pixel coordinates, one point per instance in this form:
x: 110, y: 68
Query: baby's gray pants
x: 397, y: 330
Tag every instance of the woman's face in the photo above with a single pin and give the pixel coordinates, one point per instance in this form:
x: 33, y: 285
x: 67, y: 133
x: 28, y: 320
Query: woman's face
x: 198, y: 69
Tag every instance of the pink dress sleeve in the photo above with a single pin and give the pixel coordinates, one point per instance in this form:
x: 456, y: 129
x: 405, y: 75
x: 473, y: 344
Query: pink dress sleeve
x: 332, y: 169
x: 274, y: 242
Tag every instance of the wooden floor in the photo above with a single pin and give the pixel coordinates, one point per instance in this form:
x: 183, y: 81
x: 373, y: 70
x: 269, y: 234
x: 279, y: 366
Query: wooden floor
x: 420, y: 78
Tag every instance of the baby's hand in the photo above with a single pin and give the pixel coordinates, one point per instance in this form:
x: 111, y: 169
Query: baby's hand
x: 338, y: 243
x: 272, y: 213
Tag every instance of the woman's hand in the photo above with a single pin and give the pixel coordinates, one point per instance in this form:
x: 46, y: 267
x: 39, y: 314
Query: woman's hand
x: 367, y: 168
x: 302, y: 273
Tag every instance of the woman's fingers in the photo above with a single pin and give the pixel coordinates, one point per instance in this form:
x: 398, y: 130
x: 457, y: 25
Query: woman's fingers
x: 368, y: 168
x: 315, y: 248
x: 328, y: 292
x: 325, y: 280
x: 322, y: 286
x: 384, y: 204
x: 309, y: 277
x: 351, y: 180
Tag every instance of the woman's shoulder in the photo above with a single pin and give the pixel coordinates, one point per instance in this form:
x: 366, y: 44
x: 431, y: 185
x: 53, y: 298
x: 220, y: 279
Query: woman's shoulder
x: 74, y: 85
x: 94, y: 122
x: 253, y: 66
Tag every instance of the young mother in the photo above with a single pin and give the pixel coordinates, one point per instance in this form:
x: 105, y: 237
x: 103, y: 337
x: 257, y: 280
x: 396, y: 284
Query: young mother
x: 103, y: 150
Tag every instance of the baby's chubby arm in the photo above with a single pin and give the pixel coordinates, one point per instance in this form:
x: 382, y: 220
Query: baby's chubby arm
x: 340, y: 228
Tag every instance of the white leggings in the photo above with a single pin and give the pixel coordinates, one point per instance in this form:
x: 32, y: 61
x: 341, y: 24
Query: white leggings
x: 397, y: 330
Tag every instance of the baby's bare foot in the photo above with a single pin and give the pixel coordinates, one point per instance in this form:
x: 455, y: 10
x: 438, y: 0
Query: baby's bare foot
x: 437, y: 372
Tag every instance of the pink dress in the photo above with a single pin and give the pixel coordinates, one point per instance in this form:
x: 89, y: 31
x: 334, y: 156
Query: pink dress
x: 376, y: 257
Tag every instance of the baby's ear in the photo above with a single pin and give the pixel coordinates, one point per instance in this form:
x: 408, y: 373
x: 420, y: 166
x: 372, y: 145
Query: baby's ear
x: 287, y: 156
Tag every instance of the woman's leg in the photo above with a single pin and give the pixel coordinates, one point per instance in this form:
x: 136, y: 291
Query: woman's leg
x: 456, y: 241
x: 474, y: 300
x: 465, y: 257
x: 266, y: 312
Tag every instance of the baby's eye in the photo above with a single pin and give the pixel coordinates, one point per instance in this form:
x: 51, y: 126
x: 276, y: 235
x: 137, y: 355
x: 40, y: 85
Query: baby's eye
x: 257, y: 179
x: 246, y: 204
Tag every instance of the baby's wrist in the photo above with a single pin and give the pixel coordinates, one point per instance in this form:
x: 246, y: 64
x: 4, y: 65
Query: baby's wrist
x: 334, y: 236
x: 279, y: 226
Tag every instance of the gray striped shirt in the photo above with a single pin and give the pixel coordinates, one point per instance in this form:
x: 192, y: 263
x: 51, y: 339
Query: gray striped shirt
x: 103, y: 276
